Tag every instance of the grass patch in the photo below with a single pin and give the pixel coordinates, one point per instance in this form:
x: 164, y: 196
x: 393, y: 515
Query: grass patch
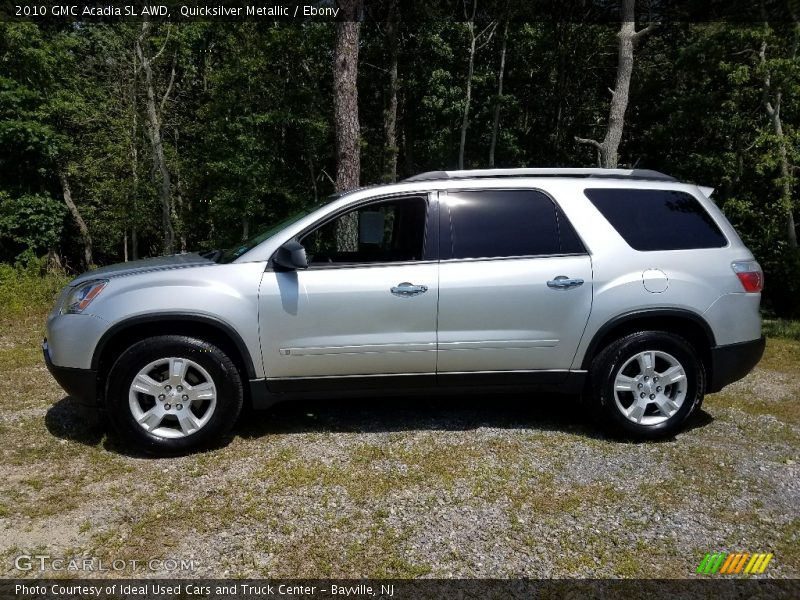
x: 22, y: 291
x: 377, y: 553
x: 781, y: 328
x: 787, y: 550
x: 781, y: 355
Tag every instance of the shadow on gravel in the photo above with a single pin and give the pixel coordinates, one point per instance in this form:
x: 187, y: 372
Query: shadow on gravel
x: 67, y: 419
x: 544, y: 412
x: 381, y: 414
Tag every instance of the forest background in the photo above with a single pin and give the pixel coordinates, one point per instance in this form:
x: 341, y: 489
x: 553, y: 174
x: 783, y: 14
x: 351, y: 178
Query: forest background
x: 122, y: 139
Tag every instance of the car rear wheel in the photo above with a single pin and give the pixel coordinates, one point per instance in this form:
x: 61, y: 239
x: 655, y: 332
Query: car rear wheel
x: 172, y: 394
x: 647, y: 384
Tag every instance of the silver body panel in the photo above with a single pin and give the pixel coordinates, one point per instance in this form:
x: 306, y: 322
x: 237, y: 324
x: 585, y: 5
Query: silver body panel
x: 345, y: 321
x: 500, y: 315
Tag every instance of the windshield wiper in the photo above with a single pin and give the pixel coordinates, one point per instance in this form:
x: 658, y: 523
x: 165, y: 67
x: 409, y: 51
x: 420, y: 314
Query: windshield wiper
x: 213, y: 255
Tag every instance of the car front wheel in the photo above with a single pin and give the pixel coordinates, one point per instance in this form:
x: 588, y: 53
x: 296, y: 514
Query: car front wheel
x: 172, y: 394
x: 648, y: 383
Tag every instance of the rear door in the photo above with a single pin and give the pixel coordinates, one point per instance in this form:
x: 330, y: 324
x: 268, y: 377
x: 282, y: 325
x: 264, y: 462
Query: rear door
x: 515, y: 284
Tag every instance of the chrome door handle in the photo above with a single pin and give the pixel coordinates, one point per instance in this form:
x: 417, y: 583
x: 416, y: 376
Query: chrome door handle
x: 562, y: 282
x: 408, y: 289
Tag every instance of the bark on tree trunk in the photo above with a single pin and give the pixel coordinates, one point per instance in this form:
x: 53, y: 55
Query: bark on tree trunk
x: 53, y: 262
x: 180, y: 208
x: 156, y: 141
x: 499, y: 101
x: 76, y: 215
x: 345, y: 107
x: 608, y: 149
x: 772, y: 104
x: 468, y: 91
x: 408, y: 137
x: 134, y: 215
x: 390, y: 119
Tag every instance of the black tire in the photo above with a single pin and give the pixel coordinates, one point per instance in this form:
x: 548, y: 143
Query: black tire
x: 218, y: 367
x: 607, y: 366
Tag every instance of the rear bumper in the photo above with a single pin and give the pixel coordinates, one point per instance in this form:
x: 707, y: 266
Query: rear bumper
x: 81, y: 384
x: 731, y: 362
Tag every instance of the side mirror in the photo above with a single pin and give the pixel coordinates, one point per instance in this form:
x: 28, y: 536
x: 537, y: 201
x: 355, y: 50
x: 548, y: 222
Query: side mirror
x: 291, y: 256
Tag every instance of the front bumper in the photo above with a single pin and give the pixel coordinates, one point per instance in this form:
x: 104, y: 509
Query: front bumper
x: 732, y: 362
x: 81, y: 384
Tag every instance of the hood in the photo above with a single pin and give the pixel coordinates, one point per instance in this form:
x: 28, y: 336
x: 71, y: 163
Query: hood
x: 134, y: 267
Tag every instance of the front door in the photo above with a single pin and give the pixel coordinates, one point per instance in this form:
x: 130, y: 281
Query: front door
x: 366, y: 306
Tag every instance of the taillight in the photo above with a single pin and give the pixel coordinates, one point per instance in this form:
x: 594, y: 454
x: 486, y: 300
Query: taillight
x: 749, y: 274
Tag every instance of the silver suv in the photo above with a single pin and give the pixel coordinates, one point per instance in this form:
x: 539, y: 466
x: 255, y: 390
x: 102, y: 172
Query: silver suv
x: 625, y: 286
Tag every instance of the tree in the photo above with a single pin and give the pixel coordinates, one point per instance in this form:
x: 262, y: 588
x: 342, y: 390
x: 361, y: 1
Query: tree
x: 608, y: 149
x: 499, y: 100
x: 390, y: 118
x: 772, y: 97
x: 345, y: 107
x: 154, y: 130
x: 473, y: 48
x: 63, y: 177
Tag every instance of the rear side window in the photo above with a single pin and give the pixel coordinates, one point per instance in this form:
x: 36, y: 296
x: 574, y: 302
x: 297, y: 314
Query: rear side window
x: 657, y: 219
x: 507, y: 223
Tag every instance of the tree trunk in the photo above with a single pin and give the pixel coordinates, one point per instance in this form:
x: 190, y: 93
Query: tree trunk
x: 390, y: 118
x: 179, y: 207
x: 473, y: 47
x: 76, y: 215
x: 154, y: 133
x: 134, y: 214
x: 608, y: 150
x: 467, y: 92
x: 408, y: 136
x: 499, y: 101
x: 53, y: 264
x: 345, y: 107
x: 773, y: 109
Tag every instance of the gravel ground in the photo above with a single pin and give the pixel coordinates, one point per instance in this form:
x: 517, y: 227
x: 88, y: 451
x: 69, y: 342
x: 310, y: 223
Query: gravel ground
x: 460, y: 487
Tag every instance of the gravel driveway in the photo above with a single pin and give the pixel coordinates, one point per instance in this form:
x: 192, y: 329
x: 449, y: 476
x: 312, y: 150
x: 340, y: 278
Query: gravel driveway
x: 459, y: 487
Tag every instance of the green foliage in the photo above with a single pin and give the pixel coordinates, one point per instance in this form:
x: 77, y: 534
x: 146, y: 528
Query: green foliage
x: 247, y: 122
x: 33, y: 222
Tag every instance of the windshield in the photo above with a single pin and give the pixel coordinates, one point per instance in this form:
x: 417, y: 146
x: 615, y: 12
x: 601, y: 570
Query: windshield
x: 231, y: 254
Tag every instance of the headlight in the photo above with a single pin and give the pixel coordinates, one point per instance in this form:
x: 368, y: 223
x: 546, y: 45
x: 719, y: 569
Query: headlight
x: 81, y: 297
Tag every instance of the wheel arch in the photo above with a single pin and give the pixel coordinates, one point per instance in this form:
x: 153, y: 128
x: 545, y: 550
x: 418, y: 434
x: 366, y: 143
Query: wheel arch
x: 135, y: 329
x: 685, y: 323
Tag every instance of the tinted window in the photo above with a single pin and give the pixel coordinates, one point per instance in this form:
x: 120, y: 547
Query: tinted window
x: 388, y: 231
x: 500, y: 223
x: 657, y: 219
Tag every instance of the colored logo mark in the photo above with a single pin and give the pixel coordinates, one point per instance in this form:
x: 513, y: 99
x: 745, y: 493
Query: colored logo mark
x: 734, y: 563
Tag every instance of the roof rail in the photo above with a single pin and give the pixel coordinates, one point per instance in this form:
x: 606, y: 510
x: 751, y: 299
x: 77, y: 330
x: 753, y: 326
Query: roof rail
x: 646, y: 174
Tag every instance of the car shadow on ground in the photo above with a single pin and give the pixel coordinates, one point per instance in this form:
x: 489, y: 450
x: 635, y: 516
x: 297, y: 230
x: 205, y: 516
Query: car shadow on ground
x: 542, y: 412
x: 67, y: 419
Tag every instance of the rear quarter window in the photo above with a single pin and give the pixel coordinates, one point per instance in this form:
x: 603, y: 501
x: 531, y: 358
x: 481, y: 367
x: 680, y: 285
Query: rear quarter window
x: 651, y: 220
